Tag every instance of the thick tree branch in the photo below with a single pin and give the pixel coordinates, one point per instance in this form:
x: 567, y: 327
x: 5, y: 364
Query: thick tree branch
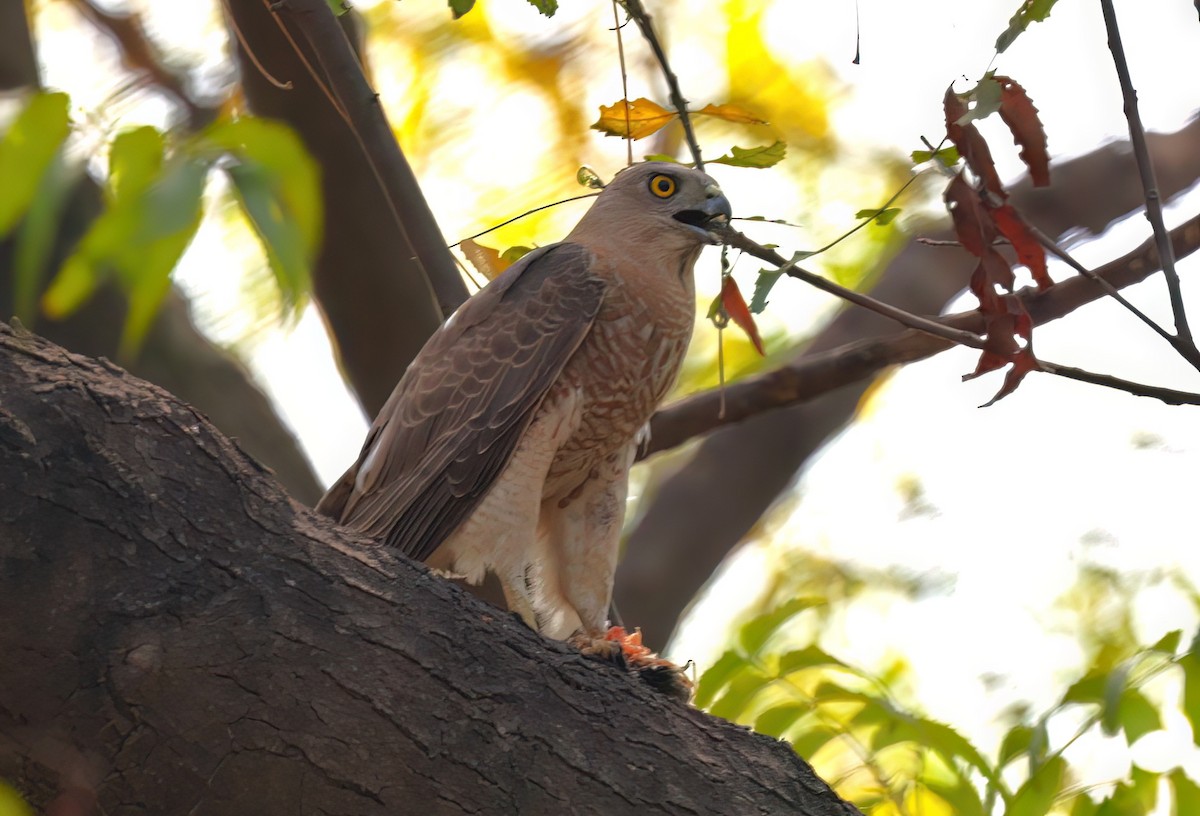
x: 369, y: 281
x: 819, y: 374
x: 182, y: 638
x: 344, y: 74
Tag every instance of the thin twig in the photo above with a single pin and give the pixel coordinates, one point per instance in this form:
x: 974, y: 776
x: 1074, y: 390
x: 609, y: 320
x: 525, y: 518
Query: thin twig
x: 639, y: 15
x: 522, y: 215
x: 1168, y: 395
x: 624, y: 83
x: 249, y: 52
x: 736, y: 239
x: 1060, y: 253
x: 1137, y: 137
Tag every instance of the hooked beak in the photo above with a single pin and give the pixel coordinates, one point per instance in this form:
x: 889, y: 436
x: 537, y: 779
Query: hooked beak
x: 715, y: 210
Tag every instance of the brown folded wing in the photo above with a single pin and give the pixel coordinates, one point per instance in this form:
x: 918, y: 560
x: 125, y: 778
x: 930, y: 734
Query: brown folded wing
x: 457, y: 415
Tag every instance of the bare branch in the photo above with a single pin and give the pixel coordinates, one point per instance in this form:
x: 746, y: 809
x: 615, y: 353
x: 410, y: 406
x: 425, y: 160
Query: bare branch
x: 1168, y: 395
x: 1137, y: 137
x: 936, y: 328
x: 821, y: 373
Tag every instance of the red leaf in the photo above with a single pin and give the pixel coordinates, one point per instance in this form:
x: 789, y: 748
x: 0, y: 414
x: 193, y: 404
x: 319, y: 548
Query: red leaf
x: 972, y: 223
x: 970, y: 143
x: 1018, y: 112
x: 1029, y: 251
x: 1004, y: 326
x: 993, y: 270
x: 735, y: 307
x: 1023, y: 362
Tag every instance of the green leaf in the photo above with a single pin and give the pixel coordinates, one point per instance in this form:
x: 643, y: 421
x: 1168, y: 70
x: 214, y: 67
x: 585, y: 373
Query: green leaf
x: 1016, y: 742
x: 27, y: 151
x: 1035, y: 797
x: 714, y: 681
x: 1088, y: 689
x: 948, y: 156
x: 807, y: 658
x: 1110, y: 706
x: 755, y: 633
x: 776, y: 720
x: 33, y: 242
x: 881, y: 217
x: 135, y: 159
x: 1137, y: 715
x: 1031, y: 11
x: 762, y: 156
x: 278, y: 188
x: 1083, y: 805
x: 766, y: 282
x: 1185, y: 793
x: 515, y: 253
x: 986, y: 96
x: 547, y: 7
x: 736, y: 702
x: 663, y: 157
x: 1190, y: 663
x: 1168, y: 643
x: 812, y: 740
x: 287, y: 253
x: 338, y: 7
x: 460, y: 7
x: 961, y: 795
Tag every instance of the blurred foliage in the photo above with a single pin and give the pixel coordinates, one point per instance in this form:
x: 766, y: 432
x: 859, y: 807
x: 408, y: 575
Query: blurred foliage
x: 154, y: 199
x: 865, y: 735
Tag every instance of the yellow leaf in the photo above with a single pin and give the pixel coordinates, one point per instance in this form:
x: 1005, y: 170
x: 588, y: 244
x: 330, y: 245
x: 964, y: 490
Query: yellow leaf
x: 732, y: 113
x: 485, y: 259
x: 644, y: 117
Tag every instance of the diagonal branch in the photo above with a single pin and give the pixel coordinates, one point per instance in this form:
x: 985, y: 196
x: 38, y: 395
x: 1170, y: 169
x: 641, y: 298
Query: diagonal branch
x: 935, y: 328
x: 367, y: 121
x: 821, y: 373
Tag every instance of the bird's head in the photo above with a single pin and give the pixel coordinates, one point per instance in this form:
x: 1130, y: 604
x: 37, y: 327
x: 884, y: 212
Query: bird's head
x: 671, y: 199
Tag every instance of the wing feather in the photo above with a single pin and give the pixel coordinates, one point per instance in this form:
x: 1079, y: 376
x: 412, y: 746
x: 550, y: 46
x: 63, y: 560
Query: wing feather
x: 457, y: 415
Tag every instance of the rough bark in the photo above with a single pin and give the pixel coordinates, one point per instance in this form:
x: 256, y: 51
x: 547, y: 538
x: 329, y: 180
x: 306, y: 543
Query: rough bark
x: 181, y: 637
x: 699, y: 513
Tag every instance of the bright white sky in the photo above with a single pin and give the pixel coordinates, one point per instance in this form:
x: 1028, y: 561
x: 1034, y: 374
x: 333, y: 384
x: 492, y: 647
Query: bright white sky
x: 1019, y: 489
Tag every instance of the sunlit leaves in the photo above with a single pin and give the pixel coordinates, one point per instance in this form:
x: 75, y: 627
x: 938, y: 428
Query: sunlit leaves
x: 762, y: 156
x: 632, y: 120
x: 947, y: 156
x: 487, y: 261
x: 277, y: 185
x: 26, y: 152
x: 641, y: 118
x: 731, y: 113
x: 154, y: 203
x: 1190, y: 663
x: 547, y: 7
x: 1031, y: 11
x: 152, y: 213
x: 1039, y: 791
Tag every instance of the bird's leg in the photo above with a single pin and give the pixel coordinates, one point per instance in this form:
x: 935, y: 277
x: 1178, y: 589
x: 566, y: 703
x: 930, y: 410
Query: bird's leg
x: 515, y: 586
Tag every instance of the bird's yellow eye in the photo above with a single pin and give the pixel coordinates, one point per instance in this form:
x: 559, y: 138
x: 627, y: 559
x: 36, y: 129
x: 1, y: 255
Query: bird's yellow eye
x: 662, y: 186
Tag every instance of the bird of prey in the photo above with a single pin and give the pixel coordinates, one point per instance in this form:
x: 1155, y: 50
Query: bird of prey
x: 507, y: 444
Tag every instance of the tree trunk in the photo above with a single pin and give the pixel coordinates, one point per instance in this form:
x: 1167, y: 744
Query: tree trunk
x: 181, y: 637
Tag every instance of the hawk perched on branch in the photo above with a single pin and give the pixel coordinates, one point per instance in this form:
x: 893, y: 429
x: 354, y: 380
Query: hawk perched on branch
x: 507, y: 444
